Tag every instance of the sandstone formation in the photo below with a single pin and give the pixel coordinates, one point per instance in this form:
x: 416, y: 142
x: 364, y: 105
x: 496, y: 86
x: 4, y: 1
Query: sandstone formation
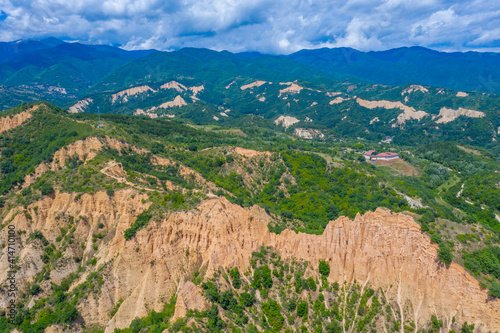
x: 189, y: 297
x: 337, y: 100
x: 10, y: 122
x: 249, y: 153
x: 447, y: 115
x: 174, y: 85
x: 384, y: 249
x: 196, y: 91
x: 252, y: 85
x: 140, y: 112
x: 413, y: 88
x: 286, y: 121
x: 308, y: 133
x: 178, y: 101
x: 80, y: 106
x: 408, y: 111
x: 84, y: 150
x: 130, y: 92
x: 292, y: 88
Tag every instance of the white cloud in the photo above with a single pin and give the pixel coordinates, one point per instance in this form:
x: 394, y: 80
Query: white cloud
x: 271, y: 26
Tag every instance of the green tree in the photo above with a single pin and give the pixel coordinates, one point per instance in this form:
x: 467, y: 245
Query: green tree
x: 267, y: 280
x: 302, y: 309
x: 46, y: 188
x: 324, y: 268
x: 467, y: 328
x: 444, y: 254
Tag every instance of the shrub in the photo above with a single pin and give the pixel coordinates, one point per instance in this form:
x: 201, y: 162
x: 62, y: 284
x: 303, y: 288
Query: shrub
x: 302, y: 309
x: 235, y: 276
x: 272, y: 310
x: 141, y: 221
x: 333, y: 327
x: 35, y: 289
x: 467, y: 328
x: 494, y: 290
x: 324, y: 268
x: 444, y: 254
x: 66, y: 313
x: 311, y: 284
x: 292, y: 305
x: 267, y: 280
x: 247, y: 299
x: 46, y: 188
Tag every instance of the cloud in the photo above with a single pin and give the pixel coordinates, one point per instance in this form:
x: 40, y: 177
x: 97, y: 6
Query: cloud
x: 269, y: 26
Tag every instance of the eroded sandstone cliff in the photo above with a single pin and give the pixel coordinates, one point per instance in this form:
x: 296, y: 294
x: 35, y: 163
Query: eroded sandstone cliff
x: 10, y: 122
x: 384, y: 249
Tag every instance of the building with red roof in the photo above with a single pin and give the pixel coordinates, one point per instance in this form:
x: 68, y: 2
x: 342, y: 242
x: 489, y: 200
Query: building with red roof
x: 368, y: 154
x: 385, y: 156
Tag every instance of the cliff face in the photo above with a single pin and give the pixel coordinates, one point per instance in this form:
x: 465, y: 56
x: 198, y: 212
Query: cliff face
x: 383, y: 249
x: 8, y: 123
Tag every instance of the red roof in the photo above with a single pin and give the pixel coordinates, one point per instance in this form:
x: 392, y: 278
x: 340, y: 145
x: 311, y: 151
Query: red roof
x: 386, y: 155
x: 369, y: 153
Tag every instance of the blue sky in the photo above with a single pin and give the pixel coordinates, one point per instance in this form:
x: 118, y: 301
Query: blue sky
x: 268, y: 26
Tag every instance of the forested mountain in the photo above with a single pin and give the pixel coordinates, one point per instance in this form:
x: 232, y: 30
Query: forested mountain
x: 468, y: 71
x: 53, y: 70
x: 12, y: 50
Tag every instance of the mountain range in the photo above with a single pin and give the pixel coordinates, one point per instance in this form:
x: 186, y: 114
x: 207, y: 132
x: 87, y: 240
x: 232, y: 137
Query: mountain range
x: 72, y: 70
x: 325, y: 93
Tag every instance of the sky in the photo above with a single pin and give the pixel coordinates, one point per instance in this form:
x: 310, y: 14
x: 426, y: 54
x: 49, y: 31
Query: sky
x: 267, y: 26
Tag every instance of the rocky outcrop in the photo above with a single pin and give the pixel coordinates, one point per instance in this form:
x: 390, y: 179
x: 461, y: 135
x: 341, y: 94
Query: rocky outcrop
x: 130, y: 92
x: 196, y: 91
x: 413, y: 88
x: 286, y: 121
x: 337, y: 100
x: 189, y: 297
x: 178, y: 101
x: 292, y: 88
x: 80, y: 106
x: 10, y: 122
x: 308, y: 133
x: 448, y: 115
x: 252, y: 85
x: 250, y: 153
x: 140, y: 112
x: 408, y: 111
x: 84, y: 150
x: 388, y: 250
x: 174, y: 85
